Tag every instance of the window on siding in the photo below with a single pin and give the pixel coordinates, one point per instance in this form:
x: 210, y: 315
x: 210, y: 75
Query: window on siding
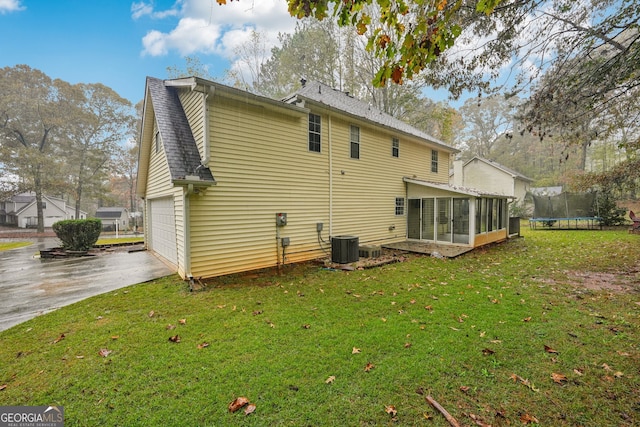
x: 434, y: 161
x: 355, y: 142
x: 395, y: 147
x: 399, y: 206
x: 157, y: 142
x: 314, y: 132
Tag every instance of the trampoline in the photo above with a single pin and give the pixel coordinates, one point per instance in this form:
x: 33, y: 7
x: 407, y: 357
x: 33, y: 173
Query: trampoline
x: 565, y: 211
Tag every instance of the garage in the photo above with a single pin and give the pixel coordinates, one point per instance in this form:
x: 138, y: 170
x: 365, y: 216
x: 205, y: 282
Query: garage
x: 163, y: 229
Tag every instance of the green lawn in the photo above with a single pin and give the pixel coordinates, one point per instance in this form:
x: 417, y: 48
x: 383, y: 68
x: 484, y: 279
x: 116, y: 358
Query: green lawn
x: 7, y: 246
x: 505, y: 335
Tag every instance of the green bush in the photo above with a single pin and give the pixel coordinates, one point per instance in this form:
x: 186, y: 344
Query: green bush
x: 608, y: 210
x: 78, y: 234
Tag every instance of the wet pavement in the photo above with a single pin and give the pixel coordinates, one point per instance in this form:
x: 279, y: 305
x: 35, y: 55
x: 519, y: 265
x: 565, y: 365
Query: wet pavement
x: 30, y: 286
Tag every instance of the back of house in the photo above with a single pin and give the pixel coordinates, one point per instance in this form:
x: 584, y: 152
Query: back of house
x: 233, y: 181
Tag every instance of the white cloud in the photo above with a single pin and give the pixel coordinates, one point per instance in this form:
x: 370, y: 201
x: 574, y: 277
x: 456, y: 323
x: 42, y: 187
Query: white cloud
x: 141, y: 9
x: 206, y: 27
x: 8, y: 6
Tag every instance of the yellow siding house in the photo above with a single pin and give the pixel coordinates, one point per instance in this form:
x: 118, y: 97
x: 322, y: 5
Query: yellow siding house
x: 234, y: 181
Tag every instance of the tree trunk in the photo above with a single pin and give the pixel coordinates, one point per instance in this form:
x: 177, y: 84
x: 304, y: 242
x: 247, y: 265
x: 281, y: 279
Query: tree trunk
x: 78, y: 197
x: 38, y: 190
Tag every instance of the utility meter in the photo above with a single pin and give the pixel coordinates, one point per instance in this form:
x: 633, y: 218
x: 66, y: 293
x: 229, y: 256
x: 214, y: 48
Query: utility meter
x: 281, y: 219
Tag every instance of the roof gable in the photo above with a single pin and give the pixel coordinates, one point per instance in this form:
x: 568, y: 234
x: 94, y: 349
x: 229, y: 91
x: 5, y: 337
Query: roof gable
x: 177, y: 139
x: 513, y: 173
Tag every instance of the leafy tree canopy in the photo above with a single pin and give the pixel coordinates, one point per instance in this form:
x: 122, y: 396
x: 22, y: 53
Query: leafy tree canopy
x: 405, y: 35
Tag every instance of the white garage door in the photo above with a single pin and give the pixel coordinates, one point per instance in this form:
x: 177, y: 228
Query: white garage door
x: 163, y: 229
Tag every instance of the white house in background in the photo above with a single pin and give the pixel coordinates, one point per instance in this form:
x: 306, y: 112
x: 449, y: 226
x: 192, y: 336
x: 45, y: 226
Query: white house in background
x: 490, y: 176
x: 21, y: 211
x: 113, y: 218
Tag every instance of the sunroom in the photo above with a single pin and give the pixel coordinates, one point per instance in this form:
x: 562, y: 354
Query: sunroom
x: 448, y: 215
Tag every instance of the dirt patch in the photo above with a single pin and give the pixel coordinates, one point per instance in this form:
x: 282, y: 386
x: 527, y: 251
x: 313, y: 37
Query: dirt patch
x: 615, y: 282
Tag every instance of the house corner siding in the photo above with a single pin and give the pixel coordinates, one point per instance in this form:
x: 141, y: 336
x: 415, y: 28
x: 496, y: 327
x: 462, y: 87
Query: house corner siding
x: 159, y: 186
x: 262, y: 166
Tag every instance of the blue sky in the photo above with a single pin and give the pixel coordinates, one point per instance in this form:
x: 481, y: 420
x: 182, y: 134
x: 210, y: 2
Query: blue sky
x: 120, y: 42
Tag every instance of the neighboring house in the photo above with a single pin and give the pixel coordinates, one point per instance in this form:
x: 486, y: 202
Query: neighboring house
x: 234, y: 181
x: 490, y: 176
x: 21, y: 211
x: 113, y: 218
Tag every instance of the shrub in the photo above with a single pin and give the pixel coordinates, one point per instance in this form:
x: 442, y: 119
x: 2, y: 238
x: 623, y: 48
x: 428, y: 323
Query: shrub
x: 608, y: 210
x: 78, y: 234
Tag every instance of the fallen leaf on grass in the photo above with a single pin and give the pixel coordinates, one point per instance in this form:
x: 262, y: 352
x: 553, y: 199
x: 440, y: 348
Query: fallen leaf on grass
x: 618, y: 374
x: 464, y: 388
x: 369, y: 367
x: 559, y: 378
x: 306, y: 326
x: 476, y: 419
x: 104, y: 352
x: 250, y: 409
x: 170, y: 327
x: 60, y: 338
x: 3, y: 386
x: 527, y: 319
x: 487, y: 352
x: 175, y: 338
x: 115, y: 337
x: 528, y: 419
x: 391, y: 410
x: 407, y: 345
x: 578, y: 372
x: 257, y: 312
x: 355, y: 350
x: 203, y: 345
x: 238, y: 403
x: 182, y: 321
x: 330, y: 379
x: 550, y: 350
x: 526, y: 382
x: 151, y: 313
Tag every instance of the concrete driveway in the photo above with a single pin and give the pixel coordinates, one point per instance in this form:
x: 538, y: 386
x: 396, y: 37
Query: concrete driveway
x: 30, y: 286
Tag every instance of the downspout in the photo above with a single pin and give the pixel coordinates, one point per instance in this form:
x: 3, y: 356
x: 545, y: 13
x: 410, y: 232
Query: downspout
x: 186, y: 208
x: 206, y: 145
x: 330, y: 180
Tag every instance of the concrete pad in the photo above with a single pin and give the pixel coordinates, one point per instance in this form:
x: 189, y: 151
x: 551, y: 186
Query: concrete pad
x: 448, y: 251
x: 31, y: 286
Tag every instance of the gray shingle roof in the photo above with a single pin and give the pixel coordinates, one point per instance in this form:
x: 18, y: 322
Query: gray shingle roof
x: 323, y: 94
x: 109, y: 212
x: 177, y: 139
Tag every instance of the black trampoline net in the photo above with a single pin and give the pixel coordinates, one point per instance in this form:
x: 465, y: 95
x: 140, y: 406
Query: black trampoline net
x: 565, y: 205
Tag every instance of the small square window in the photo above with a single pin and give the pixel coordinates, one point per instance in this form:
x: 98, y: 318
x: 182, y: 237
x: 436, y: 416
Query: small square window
x: 355, y: 142
x: 395, y: 147
x: 434, y: 161
x: 399, y: 206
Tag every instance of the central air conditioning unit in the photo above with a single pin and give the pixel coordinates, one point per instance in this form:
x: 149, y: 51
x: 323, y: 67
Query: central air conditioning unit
x: 344, y: 249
